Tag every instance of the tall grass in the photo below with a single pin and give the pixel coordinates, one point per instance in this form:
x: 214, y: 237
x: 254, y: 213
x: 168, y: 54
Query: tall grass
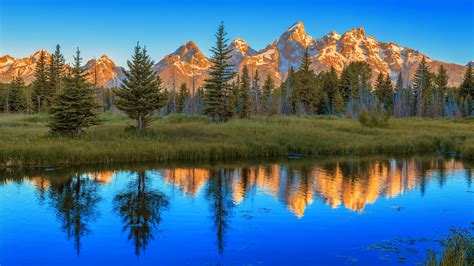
x: 24, y: 140
x: 458, y: 250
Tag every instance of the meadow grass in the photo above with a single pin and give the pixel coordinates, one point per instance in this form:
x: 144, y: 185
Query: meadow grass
x: 25, y: 141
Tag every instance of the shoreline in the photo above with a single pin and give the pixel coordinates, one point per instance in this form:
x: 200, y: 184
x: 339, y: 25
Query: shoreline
x: 25, y: 141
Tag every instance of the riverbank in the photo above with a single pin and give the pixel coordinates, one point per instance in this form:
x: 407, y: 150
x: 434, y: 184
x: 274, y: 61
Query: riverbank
x: 24, y: 140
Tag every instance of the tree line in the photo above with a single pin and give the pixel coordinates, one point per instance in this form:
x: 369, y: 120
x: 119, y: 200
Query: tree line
x: 74, y: 103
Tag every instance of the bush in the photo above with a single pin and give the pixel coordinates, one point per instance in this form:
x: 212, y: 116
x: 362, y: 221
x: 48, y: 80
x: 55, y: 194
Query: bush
x: 372, y: 119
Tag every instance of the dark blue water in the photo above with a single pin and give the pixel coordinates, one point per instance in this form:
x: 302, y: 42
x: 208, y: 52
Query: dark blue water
x: 300, y: 212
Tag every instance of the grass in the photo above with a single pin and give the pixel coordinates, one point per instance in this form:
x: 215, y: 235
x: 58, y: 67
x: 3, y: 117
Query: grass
x: 24, y: 140
x: 458, y: 250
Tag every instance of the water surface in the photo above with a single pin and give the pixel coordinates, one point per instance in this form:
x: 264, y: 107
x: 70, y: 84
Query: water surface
x: 379, y: 211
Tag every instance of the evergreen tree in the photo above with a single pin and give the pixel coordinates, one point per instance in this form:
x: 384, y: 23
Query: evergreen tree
x: 16, y: 99
x: 441, y: 79
x: 467, y: 86
x: 40, y: 83
x: 355, y: 77
x: 256, y: 93
x: 183, y: 98
x: 399, y: 85
x: 338, y: 103
x: 329, y: 87
x: 245, y: 103
x: 384, y: 91
x: 235, y: 95
x: 287, y: 90
x: 217, y: 100
x: 55, y: 74
x: 72, y: 109
x: 306, y: 91
x: 267, y: 94
x: 140, y: 93
x: 422, y: 86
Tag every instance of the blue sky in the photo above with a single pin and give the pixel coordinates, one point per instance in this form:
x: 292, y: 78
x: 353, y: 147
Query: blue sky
x: 443, y: 30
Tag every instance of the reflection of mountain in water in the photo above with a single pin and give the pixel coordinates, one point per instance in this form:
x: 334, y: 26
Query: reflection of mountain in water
x: 351, y: 184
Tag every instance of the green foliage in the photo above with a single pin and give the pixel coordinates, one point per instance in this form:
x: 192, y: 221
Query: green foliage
x: 458, y: 250
x: 244, y: 99
x: 267, y: 96
x: 338, y: 103
x: 376, y: 118
x: 40, y: 83
x: 467, y: 86
x: 55, y: 74
x: 306, y: 91
x: 140, y: 93
x: 422, y: 86
x: 16, y: 101
x: 183, y: 98
x: 217, y: 101
x: 384, y: 91
x: 191, y: 138
x: 364, y: 117
x: 354, y: 77
x: 72, y: 109
x: 255, y: 95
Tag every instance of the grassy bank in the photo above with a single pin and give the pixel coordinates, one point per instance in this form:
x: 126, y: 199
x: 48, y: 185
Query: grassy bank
x: 24, y: 140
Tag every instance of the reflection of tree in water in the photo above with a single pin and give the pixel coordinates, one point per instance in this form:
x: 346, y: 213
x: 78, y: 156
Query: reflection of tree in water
x: 140, y: 208
x: 219, y: 194
x: 75, y: 202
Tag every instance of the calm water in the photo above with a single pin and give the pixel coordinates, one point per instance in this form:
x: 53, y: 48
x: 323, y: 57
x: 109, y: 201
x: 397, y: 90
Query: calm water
x: 319, y: 212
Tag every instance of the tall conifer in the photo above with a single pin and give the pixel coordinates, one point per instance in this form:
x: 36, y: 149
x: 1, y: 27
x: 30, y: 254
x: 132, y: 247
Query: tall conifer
x: 40, y: 83
x: 72, y: 109
x: 217, y: 87
x: 245, y: 103
x: 140, y: 94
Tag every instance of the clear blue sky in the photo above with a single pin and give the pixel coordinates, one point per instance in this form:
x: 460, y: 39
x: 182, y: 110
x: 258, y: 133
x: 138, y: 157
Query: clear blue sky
x: 443, y: 30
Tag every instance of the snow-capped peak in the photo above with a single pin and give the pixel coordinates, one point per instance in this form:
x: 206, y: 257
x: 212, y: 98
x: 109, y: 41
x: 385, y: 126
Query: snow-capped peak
x: 298, y: 26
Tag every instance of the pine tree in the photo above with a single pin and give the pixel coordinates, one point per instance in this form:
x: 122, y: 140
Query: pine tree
x: 441, y: 79
x: 183, y: 98
x: 40, y: 83
x: 384, y: 91
x: 287, y: 89
x: 72, y: 109
x: 306, y: 92
x: 422, y: 85
x: 235, y: 94
x: 329, y: 86
x: 217, y: 100
x: 245, y: 103
x: 338, y: 103
x: 267, y: 94
x: 16, y: 99
x: 140, y: 94
x: 355, y: 77
x: 256, y: 93
x: 467, y: 86
x: 55, y: 74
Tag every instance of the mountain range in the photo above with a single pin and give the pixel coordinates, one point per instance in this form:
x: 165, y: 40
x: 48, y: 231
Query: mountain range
x: 189, y: 65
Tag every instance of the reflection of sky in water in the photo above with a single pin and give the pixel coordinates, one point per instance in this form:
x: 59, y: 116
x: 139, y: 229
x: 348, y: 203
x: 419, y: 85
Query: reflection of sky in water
x: 301, y: 212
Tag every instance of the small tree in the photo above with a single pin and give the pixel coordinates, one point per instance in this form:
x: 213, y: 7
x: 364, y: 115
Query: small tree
x: 267, y: 94
x: 72, y: 109
x: 183, y: 97
x: 140, y: 93
x: 16, y: 99
x: 40, y: 83
x: 245, y: 103
x: 338, y: 103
